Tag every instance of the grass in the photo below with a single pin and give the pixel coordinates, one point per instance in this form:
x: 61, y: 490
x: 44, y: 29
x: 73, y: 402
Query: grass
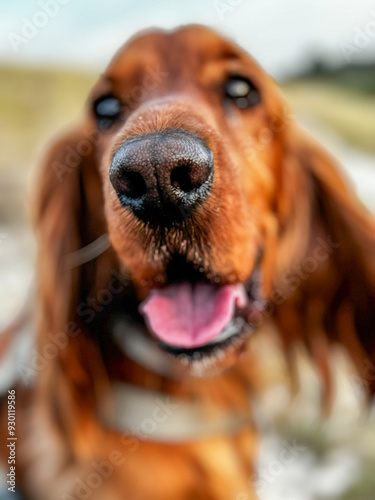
x: 34, y: 104
x: 349, y: 112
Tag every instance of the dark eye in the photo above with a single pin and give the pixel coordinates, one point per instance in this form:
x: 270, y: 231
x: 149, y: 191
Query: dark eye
x: 242, y: 92
x: 107, y: 110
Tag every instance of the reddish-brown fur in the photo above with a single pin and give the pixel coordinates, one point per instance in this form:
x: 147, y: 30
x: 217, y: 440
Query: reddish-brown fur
x: 276, y: 201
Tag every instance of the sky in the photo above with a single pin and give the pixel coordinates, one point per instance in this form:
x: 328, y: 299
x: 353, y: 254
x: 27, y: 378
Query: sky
x: 283, y: 35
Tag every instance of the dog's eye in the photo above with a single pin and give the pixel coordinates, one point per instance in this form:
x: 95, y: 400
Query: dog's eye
x: 107, y: 110
x: 242, y: 92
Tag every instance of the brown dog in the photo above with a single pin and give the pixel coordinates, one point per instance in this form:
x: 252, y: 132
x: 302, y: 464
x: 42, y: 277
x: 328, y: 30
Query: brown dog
x: 212, y: 197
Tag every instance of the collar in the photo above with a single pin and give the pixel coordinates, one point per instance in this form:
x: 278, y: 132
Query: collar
x: 152, y: 415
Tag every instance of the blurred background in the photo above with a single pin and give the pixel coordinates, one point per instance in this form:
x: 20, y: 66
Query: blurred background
x: 323, y: 54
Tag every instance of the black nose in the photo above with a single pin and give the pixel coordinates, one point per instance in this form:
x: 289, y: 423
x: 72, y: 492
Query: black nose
x: 162, y: 176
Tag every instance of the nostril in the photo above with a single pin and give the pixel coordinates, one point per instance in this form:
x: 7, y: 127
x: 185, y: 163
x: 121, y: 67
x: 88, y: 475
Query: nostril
x: 133, y: 185
x: 162, y: 176
x: 181, y: 179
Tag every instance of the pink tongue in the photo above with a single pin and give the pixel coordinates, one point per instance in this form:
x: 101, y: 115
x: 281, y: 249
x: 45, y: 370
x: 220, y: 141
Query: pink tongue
x: 188, y: 316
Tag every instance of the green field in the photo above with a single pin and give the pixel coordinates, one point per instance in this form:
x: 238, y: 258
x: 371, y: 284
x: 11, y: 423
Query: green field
x: 349, y: 112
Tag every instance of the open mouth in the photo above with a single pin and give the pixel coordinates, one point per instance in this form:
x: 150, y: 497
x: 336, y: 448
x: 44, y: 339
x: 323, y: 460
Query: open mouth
x: 190, y: 316
x: 232, y: 334
x: 193, y: 320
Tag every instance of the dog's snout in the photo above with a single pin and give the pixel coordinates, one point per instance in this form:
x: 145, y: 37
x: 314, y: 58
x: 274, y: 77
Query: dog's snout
x: 162, y: 175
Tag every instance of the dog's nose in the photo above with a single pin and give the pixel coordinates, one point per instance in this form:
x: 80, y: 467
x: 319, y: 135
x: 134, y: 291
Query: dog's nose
x: 163, y: 175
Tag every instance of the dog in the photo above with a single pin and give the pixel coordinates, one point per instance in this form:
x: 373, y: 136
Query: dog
x: 171, y: 224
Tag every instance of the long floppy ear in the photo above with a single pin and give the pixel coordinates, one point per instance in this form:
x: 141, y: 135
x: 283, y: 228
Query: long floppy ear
x: 74, y: 256
x: 337, y: 298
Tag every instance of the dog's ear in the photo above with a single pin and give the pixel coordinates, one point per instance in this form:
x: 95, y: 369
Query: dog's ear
x: 342, y: 289
x: 73, y: 247
x: 340, y: 208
